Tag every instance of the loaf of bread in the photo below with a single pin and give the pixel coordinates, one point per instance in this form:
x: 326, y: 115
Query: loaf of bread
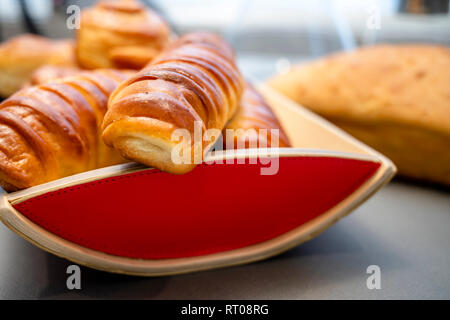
x: 395, y: 98
x: 194, y: 83
x: 254, y: 124
x: 22, y: 55
x: 120, y: 34
x: 53, y: 130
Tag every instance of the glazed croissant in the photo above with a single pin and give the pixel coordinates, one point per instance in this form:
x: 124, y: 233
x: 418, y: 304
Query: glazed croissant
x: 53, y: 130
x: 120, y: 34
x: 194, y: 82
x: 253, y: 115
x: 22, y: 55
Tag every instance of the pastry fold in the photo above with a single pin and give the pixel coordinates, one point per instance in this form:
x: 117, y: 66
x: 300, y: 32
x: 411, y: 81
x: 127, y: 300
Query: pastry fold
x: 50, y: 73
x: 53, y: 130
x: 395, y: 98
x: 254, y: 125
x: 122, y: 34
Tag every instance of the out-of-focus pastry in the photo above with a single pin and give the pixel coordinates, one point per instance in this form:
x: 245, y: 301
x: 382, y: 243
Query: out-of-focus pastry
x: 22, y: 55
x: 120, y: 34
x: 53, y: 130
x: 254, y: 123
x: 50, y: 73
x: 396, y: 98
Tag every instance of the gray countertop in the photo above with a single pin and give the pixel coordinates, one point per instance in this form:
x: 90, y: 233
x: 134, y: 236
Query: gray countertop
x: 404, y: 229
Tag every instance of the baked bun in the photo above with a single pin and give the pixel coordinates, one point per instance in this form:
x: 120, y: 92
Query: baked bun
x: 53, y: 130
x: 253, y: 116
x: 22, y: 55
x: 396, y: 98
x: 191, y: 84
x: 120, y: 34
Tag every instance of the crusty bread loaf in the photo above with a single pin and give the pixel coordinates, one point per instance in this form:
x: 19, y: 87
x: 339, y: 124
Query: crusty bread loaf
x: 120, y: 34
x: 22, y: 55
x: 395, y: 98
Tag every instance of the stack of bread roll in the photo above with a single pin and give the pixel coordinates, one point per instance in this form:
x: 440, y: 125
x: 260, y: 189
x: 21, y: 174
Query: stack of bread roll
x: 141, y: 86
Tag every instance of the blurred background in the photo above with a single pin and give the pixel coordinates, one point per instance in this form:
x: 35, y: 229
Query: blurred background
x: 268, y: 35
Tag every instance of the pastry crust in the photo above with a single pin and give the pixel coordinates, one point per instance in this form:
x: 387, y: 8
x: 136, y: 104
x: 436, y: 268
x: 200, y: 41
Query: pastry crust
x: 194, y: 83
x: 53, y: 130
x: 254, y: 115
x: 120, y: 34
x: 395, y: 98
x: 22, y: 55
x: 50, y: 73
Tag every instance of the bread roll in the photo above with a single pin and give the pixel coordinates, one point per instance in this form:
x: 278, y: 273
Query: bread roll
x: 253, y: 116
x: 194, y: 83
x: 395, y: 98
x: 120, y: 34
x: 22, y: 55
x: 53, y: 130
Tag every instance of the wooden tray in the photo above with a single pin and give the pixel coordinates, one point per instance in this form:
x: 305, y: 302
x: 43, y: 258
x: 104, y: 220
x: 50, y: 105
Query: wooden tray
x: 137, y: 220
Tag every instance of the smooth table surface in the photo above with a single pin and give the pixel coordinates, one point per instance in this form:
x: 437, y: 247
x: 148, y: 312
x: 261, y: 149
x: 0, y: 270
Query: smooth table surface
x: 404, y: 229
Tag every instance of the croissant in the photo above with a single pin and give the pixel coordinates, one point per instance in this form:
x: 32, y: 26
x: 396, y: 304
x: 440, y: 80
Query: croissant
x: 22, y: 55
x: 194, y: 82
x: 53, y: 130
x: 120, y: 34
x: 247, y: 125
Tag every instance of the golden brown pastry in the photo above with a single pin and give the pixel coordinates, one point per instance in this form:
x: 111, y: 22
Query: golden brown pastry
x: 394, y: 98
x: 192, y: 83
x: 22, y: 55
x: 253, y: 115
x: 53, y: 130
x: 120, y: 34
x: 50, y: 73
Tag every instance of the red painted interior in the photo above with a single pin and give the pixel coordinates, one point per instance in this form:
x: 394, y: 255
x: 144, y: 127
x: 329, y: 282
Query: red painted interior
x: 155, y: 215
